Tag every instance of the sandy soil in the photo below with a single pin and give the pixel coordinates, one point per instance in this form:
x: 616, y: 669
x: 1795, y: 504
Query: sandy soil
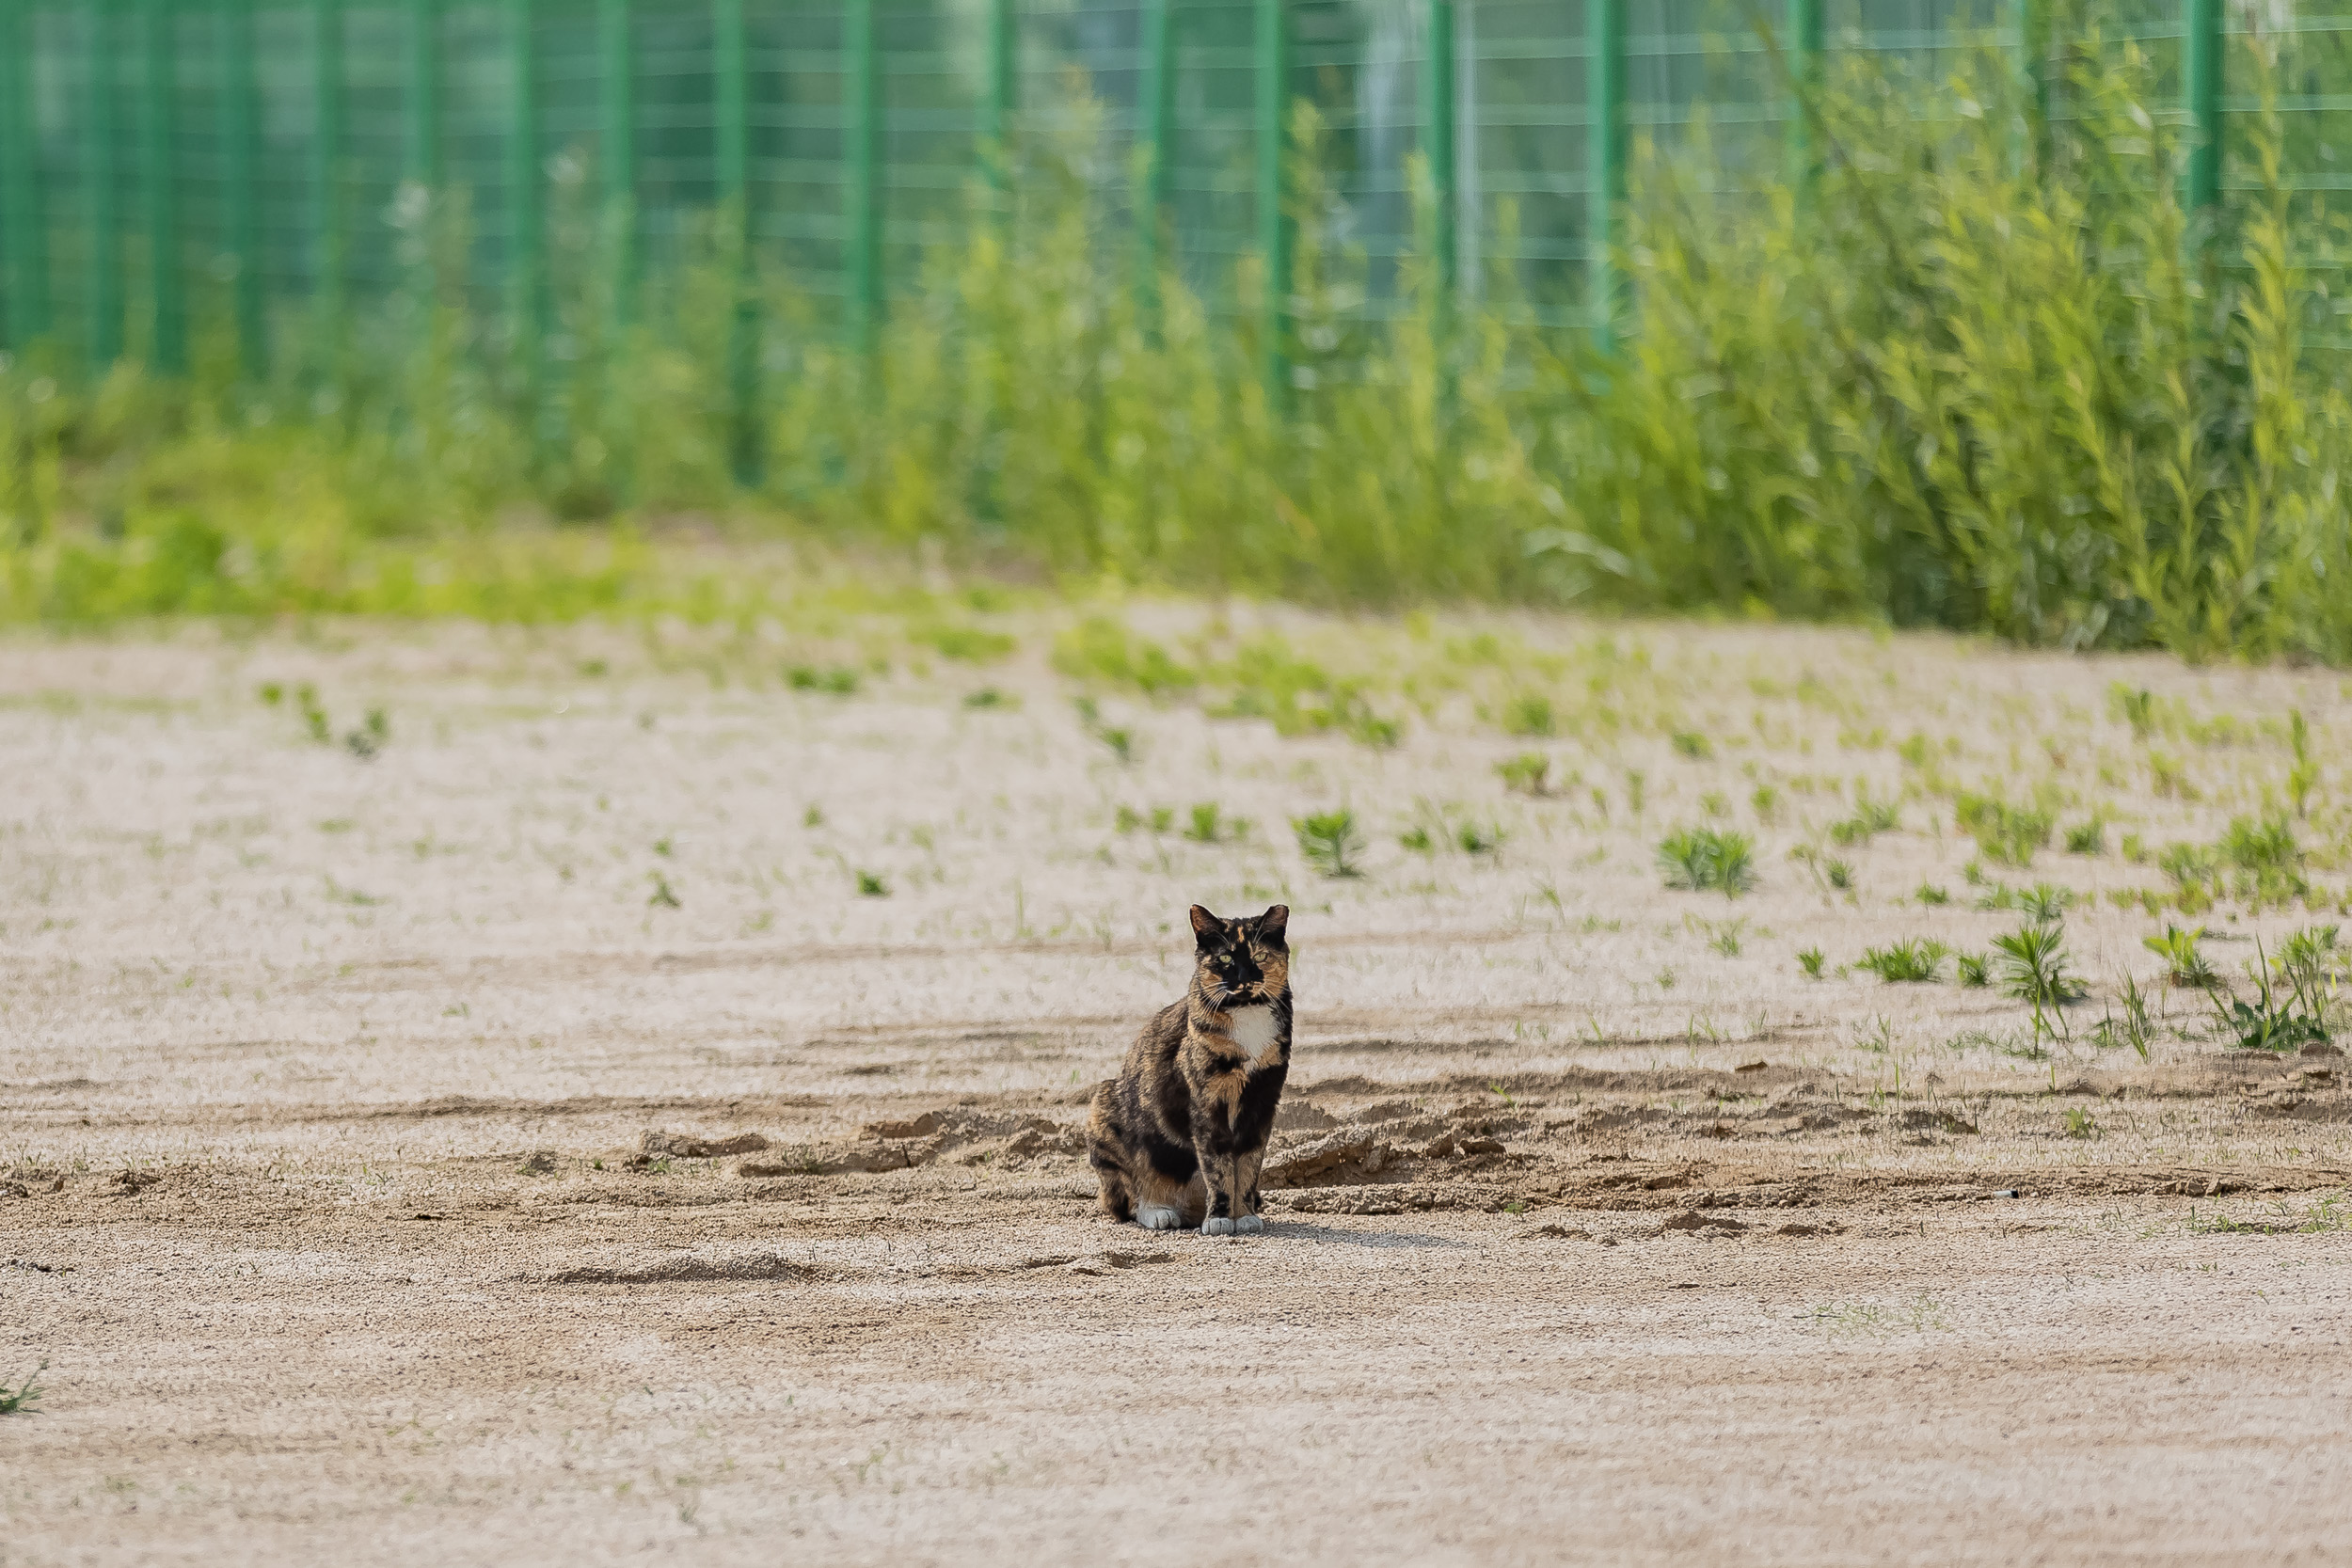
x: 529, y: 1144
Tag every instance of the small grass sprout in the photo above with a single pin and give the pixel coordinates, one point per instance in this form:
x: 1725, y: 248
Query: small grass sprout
x: 1913, y: 961
x: 1692, y: 744
x: 832, y: 680
x: 2131, y: 1026
x: 1329, y: 841
x: 2004, y: 832
x: 1479, y: 838
x: 2304, y: 776
x: 1700, y: 860
x: 1932, y: 895
x: 1972, y: 969
x: 1870, y: 818
x: 871, y: 886
x: 20, y: 1400
x: 1529, y: 773
x: 2185, y: 962
x: 2033, y: 968
x: 1810, y: 960
x: 1210, y: 825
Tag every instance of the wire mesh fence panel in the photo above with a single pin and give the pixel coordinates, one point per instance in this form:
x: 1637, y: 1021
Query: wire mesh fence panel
x: 190, y: 178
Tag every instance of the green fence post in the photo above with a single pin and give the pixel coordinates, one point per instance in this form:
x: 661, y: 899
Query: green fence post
x: 158, y: 84
x: 100, y: 178
x: 616, y: 149
x: 1804, y: 45
x: 2200, y: 76
x: 1438, y: 147
x: 239, y: 132
x: 20, y: 184
x: 861, y: 188
x: 1156, y: 106
x: 732, y: 69
x: 1001, y: 99
x: 422, y: 155
x: 1604, y: 162
x: 1274, y: 226
x: 526, y: 269
x: 331, y: 244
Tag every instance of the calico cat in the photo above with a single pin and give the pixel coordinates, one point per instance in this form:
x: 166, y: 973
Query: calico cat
x: 1178, y: 1137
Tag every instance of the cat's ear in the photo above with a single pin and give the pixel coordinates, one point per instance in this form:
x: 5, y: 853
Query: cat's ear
x: 1272, y: 923
x: 1206, y: 927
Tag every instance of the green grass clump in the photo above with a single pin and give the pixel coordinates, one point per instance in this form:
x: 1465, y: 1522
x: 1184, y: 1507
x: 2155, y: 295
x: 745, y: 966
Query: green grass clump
x: 1810, y: 960
x: 1911, y: 960
x: 1529, y: 773
x: 2034, y: 967
x: 1104, y: 651
x: 2185, y: 962
x: 1870, y: 818
x: 1209, y: 824
x: 2007, y: 833
x: 1708, y: 859
x: 835, y: 680
x: 26, y: 1395
x: 1331, y: 842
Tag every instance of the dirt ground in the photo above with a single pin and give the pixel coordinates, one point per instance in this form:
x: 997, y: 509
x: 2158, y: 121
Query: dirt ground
x: 527, y: 1143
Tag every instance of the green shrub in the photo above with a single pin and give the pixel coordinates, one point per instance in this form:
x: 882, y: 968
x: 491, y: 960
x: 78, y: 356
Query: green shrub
x: 1704, y: 859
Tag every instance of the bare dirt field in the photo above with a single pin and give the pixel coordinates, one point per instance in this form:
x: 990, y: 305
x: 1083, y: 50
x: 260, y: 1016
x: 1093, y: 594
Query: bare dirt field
x: 623, y: 1105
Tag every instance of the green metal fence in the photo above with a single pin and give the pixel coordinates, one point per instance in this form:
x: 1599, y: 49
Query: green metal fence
x: 248, y: 162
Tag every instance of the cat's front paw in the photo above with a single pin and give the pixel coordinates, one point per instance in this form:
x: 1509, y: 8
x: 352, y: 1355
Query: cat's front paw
x: 1249, y: 1224
x: 1152, y: 1216
x: 1217, y: 1227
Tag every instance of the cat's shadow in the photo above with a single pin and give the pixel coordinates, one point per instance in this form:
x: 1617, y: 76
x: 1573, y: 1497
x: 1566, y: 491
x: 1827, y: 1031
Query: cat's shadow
x: 1306, y: 1230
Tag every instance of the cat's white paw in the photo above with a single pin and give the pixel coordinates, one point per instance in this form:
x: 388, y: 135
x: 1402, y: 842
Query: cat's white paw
x: 1249, y: 1224
x: 1152, y: 1216
x: 1217, y: 1227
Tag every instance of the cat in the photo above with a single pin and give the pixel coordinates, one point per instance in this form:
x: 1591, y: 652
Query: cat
x: 1178, y: 1137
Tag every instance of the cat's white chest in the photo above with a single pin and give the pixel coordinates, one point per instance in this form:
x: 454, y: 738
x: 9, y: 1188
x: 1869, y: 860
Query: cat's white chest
x: 1253, y: 1028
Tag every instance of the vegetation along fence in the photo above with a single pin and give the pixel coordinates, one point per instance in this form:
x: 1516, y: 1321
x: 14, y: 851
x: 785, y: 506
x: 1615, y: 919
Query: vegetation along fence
x: 2023, y: 316
x: 164, y: 156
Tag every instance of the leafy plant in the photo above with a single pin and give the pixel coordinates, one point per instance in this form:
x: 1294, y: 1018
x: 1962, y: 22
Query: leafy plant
x: 663, y: 896
x: 1870, y: 818
x: 1912, y: 960
x: 2185, y: 962
x: 2133, y: 1026
x: 834, y: 680
x: 26, y: 1394
x: 1972, y: 969
x: 1530, y: 713
x: 1930, y: 895
x: 2033, y: 968
x: 871, y: 886
x: 1477, y: 839
x: 1210, y: 825
x: 1810, y: 960
x: 2080, y: 1123
x: 2004, y: 832
x: 1703, y: 858
x: 1692, y: 744
x: 2087, y: 839
x: 1329, y: 841
x: 2304, y: 776
x: 1529, y: 773
x: 2278, y: 1019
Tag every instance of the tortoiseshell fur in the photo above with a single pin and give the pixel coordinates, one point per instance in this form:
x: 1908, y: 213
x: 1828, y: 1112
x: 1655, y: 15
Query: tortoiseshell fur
x: 1179, y: 1135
